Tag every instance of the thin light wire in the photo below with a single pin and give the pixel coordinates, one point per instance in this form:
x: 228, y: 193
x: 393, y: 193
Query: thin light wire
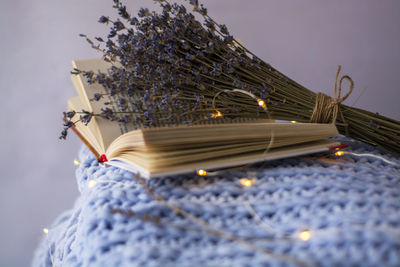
x: 264, y: 107
x: 363, y: 91
x: 258, y: 219
x: 212, y: 229
x: 49, y: 247
x: 373, y: 156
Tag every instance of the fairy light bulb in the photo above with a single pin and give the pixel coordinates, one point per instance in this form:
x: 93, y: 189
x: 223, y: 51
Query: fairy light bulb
x: 76, y: 162
x: 201, y: 172
x: 261, y: 103
x: 305, y: 235
x: 92, y: 183
x: 46, y: 231
x: 217, y: 114
x: 339, y: 153
x: 246, y: 182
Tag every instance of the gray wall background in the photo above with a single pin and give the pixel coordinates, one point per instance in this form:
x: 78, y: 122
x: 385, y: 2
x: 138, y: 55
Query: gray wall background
x: 304, y: 39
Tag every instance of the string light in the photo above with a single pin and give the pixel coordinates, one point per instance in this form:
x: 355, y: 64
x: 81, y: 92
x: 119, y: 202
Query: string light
x: 201, y: 172
x: 76, y: 162
x: 261, y: 103
x: 339, y: 153
x: 246, y: 182
x: 92, y: 183
x: 305, y: 235
x: 217, y: 114
x: 46, y: 231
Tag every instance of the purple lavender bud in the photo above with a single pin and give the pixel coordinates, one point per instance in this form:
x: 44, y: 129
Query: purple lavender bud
x: 129, y: 92
x: 134, y: 21
x: 224, y: 29
x: 112, y: 34
x: 97, y: 96
x: 124, y: 119
x: 194, y: 3
x: 181, y: 9
x: 122, y: 102
x: 118, y: 25
x: 86, y: 117
x: 209, y: 24
x: 108, y: 113
x: 69, y: 114
x: 68, y: 124
x: 63, y: 134
x: 103, y: 19
x: 203, y: 10
x: 122, y: 12
x: 108, y: 82
x: 228, y: 39
x: 143, y: 12
x: 146, y: 96
x: 148, y: 114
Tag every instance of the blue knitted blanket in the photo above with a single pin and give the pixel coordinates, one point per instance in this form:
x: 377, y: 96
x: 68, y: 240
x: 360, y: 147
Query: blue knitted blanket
x: 350, y: 208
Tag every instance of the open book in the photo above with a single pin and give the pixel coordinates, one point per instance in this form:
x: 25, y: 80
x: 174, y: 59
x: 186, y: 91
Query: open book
x: 163, y: 150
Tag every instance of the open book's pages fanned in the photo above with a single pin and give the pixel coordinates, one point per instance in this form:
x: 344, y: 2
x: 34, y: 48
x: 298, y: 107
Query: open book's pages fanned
x: 163, y: 150
x: 131, y: 164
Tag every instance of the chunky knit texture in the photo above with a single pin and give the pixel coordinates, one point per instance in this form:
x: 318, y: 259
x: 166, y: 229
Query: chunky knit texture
x: 351, y: 206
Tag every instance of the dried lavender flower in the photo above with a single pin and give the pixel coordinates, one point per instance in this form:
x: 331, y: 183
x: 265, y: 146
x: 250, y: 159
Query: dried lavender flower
x: 103, y: 19
x: 64, y: 134
x: 177, y: 63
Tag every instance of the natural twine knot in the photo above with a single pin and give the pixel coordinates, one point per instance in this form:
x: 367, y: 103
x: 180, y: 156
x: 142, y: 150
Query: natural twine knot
x: 327, y: 108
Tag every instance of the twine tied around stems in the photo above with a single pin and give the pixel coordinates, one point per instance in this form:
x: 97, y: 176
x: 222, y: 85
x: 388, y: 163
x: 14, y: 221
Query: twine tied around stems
x: 326, y: 108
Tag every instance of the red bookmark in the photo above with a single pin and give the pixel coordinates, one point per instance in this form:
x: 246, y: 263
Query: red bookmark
x: 102, y: 158
x: 338, y: 147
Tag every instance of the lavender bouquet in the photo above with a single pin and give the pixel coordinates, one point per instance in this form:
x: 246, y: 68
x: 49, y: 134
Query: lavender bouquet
x: 187, y: 69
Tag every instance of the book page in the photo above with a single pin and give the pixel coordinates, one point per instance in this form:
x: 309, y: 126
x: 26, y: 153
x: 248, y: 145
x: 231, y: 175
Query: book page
x: 132, y: 163
x: 246, y: 131
x: 107, y: 130
x: 167, y: 147
x: 245, y: 138
x: 88, y: 131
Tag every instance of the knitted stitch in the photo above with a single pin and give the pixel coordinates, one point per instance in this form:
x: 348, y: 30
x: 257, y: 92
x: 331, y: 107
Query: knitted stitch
x: 351, y: 207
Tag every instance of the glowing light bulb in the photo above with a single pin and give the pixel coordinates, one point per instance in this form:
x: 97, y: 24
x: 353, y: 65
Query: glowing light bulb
x: 201, y: 172
x: 293, y: 121
x: 305, y: 235
x: 339, y: 153
x: 218, y: 114
x: 76, y: 162
x: 45, y: 230
x: 261, y: 103
x: 92, y: 183
x: 246, y: 182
